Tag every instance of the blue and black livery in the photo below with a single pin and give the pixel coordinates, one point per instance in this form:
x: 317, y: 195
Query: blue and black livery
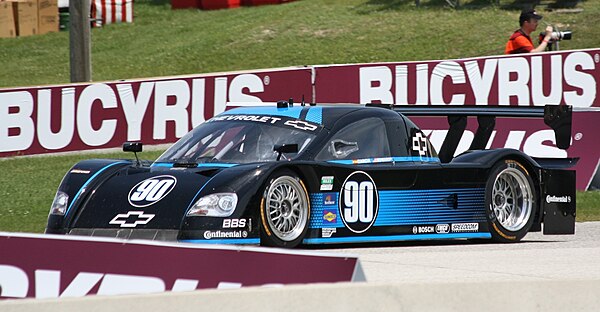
x: 290, y: 175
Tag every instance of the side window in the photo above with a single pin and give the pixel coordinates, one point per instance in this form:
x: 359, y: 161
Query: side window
x: 363, y: 139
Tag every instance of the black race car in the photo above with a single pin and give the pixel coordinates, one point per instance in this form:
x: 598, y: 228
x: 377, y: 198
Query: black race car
x: 285, y: 175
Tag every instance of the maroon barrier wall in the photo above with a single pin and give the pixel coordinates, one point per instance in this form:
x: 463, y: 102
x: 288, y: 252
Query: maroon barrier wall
x: 102, y: 115
x: 569, y: 77
x: 51, y: 266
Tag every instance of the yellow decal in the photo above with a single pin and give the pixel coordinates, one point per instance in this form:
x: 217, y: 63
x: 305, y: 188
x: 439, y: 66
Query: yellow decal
x: 502, y: 234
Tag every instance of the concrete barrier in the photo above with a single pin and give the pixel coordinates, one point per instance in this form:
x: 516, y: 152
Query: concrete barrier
x: 576, y: 295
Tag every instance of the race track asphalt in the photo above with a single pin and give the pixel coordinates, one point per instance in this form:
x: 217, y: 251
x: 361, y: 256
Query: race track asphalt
x: 537, y: 258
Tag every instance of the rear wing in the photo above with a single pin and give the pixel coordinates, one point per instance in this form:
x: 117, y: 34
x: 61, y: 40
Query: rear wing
x: 557, y: 117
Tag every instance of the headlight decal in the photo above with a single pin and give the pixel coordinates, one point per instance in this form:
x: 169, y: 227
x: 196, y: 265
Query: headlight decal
x: 195, y: 198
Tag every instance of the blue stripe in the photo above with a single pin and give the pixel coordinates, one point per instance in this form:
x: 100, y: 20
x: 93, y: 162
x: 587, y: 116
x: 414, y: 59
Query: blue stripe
x: 202, y: 165
x: 315, y: 114
x: 238, y: 241
x: 410, y: 237
x: 409, y: 207
x: 290, y: 112
x: 83, y: 188
x: 379, y: 160
x: 195, y: 196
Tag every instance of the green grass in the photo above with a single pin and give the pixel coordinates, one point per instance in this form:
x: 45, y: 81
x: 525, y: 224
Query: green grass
x: 164, y: 42
x: 28, y: 186
x: 172, y: 42
x: 588, y: 206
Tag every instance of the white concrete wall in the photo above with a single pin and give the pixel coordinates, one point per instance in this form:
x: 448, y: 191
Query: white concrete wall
x: 578, y: 295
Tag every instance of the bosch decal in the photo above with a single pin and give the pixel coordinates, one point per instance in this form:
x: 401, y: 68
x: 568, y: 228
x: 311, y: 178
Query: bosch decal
x: 427, y: 229
x: 359, y: 202
x: 151, y: 190
x: 131, y: 219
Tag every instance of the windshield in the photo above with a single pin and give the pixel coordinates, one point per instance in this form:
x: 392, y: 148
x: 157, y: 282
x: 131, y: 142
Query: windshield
x: 235, y: 142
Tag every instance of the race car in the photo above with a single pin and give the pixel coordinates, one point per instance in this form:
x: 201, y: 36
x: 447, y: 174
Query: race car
x: 285, y: 175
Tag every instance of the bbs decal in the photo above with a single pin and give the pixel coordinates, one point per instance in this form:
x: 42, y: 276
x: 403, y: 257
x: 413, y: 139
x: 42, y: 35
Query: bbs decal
x: 358, y: 202
x: 151, y: 190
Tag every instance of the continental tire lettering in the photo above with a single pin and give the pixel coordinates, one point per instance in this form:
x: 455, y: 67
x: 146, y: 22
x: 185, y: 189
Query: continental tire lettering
x: 509, y: 162
x: 307, y: 198
x: 262, y: 217
x: 502, y: 233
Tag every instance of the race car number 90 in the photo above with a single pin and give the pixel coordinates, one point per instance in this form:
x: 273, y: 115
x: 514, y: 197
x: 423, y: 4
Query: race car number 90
x: 358, y: 202
x: 151, y: 190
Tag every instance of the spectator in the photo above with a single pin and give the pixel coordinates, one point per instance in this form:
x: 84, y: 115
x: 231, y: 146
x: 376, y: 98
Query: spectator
x: 520, y: 41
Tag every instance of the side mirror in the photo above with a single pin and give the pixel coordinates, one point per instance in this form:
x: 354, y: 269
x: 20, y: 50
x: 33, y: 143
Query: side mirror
x: 135, y: 147
x: 285, y: 148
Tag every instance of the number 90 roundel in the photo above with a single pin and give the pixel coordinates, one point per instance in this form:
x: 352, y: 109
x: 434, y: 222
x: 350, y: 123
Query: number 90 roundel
x: 358, y: 202
x: 151, y: 190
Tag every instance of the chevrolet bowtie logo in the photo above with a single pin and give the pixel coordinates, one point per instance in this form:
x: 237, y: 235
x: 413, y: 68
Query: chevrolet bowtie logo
x: 131, y: 219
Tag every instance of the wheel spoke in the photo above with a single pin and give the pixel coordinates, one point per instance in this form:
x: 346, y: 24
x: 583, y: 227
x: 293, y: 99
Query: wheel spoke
x: 511, y: 199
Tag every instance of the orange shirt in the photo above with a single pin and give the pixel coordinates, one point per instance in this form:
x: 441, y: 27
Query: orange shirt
x: 518, y: 43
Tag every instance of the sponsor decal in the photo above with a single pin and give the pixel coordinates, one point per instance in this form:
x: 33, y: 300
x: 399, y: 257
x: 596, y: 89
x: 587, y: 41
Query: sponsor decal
x: 330, y: 199
x: 151, y: 190
x: 301, y: 125
x: 330, y: 215
x: 419, y: 144
x: 358, y: 202
x: 465, y: 227
x: 424, y: 229
x: 131, y: 219
x: 442, y: 228
x: 254, y: 118
x: 327, y: 183
x: 80, y: 171
x: 225, y: 234
x: 234, y: 223
x: 328, y: 232
x: 558, y: 199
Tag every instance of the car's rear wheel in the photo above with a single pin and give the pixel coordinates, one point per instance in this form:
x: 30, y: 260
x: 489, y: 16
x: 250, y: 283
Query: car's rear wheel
x: 510, y: 201
x: 285, y: 211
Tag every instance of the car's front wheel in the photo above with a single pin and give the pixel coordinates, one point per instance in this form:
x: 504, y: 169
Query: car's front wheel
x: 510, y: 201
x: 284, y: 211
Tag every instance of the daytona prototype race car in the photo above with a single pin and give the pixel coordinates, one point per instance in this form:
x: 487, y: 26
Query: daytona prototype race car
x: 286, y: 175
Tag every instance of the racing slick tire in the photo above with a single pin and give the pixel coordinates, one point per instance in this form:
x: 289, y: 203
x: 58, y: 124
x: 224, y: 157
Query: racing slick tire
x: 510, y: 201
x: 284, y: 211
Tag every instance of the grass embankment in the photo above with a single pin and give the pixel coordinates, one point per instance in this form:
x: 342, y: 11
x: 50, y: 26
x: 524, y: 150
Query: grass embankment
x: 164, y: 42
